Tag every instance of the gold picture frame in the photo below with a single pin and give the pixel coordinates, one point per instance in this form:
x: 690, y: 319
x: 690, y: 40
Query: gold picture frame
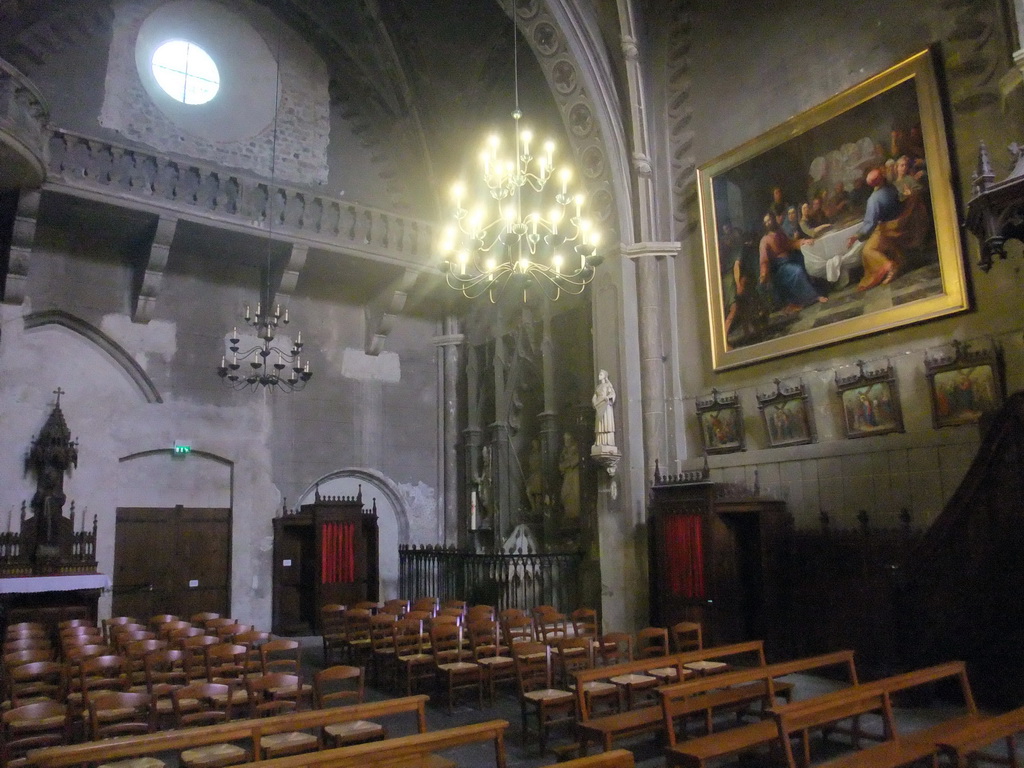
x: 885, y: 135
x: 786, y: 411
x: 870, y: 401
x: 720, y: 419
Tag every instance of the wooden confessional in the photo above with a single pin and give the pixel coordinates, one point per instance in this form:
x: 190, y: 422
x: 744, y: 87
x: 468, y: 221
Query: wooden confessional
x: 326, y: 552
x: 960, y: 590
x: 716, y: 559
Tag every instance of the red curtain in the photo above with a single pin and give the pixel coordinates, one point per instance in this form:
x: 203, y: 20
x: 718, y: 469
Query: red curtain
x: 684, y: 548
x: 337, y: 553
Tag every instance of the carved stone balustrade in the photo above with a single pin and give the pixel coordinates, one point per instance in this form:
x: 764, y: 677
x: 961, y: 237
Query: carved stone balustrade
x: 23, y: 131
x: 120, y: 175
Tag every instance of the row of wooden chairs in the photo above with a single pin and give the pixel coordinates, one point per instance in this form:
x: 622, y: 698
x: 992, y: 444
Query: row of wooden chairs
x: 119, y: 713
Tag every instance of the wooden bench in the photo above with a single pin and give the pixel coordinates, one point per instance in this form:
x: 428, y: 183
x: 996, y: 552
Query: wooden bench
x: 250, y: 731
x: 605, y: 729
x: 617, y: 758
x: 731, y: 689
x: 895, y: 749
x: 965, y: 744
x: 416, y: 751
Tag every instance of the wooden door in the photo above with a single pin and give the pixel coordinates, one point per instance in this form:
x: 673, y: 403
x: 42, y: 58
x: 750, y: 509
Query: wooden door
x: 172, y: 560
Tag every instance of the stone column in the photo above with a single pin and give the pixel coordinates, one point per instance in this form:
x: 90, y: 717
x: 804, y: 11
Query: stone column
x: 448, y: 344
x: 652, y: 356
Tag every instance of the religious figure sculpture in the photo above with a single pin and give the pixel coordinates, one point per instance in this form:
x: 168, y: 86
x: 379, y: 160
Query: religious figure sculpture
x: 569, y: 466
x: 603, y: 400
x: 603, y: 451
x: 535, y: 478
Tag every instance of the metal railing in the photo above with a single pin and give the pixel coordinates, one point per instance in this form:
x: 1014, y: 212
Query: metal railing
x: 499, y: 579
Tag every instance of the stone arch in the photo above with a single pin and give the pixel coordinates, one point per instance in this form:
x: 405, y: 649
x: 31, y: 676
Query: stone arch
x: 89, y: 331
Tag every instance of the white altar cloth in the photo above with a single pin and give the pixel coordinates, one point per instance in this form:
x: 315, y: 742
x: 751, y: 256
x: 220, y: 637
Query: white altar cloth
x: 830, y: 257
x: 69, y: 583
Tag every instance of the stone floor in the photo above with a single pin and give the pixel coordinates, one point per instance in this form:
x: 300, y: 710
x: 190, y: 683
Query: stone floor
x: 523, y: 753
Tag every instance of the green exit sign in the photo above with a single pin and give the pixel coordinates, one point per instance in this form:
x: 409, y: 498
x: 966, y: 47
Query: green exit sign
x: 181, y: 447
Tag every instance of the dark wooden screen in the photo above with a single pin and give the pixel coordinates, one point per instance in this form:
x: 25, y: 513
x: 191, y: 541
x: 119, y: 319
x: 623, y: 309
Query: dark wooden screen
x: 172, y: 560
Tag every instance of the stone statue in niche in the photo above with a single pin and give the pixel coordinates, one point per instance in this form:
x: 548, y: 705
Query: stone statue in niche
x: 482, y: 497
x: 569, y: 466
x: 604, y: 451
x: 604, y: 412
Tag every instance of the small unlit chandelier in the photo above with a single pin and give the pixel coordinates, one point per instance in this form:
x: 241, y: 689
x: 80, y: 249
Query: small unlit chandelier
x: 264, y: 364
x: 511, y: 231
x: 257, y: 366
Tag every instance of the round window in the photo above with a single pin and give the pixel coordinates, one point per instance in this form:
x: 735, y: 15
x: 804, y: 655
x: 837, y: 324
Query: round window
x: 186, y: 72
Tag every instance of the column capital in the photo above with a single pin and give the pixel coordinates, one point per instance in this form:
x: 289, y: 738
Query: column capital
x: 639, y: 250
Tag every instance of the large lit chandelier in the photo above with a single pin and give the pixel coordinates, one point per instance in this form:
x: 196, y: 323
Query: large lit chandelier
x: 510, y: 230
x: 266, y: 364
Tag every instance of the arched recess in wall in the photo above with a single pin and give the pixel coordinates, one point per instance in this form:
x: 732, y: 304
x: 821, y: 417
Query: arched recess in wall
x: 89, y: 331
x: 392, y: 516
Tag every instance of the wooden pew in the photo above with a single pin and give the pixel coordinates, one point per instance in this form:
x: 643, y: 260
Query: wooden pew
x: 730, y: 689
x: 605, y: 729
x: 895, y: 749
x: 416, y: 751
x: 965, y: 744
x: 617, y: 758
x: 250, y: 731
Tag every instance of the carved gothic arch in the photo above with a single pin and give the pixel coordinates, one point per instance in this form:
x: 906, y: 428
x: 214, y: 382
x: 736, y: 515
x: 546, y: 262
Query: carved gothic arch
x: 379, y: 481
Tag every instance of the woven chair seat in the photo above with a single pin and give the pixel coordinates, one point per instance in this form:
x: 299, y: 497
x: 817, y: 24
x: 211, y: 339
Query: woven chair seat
x: 214, y: 756
x: 548, y: 694
x: 136, y: 762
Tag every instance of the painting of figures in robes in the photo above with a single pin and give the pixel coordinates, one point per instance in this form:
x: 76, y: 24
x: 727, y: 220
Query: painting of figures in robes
x: 838, y: 223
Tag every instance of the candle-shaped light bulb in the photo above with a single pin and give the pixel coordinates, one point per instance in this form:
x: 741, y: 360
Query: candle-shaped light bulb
x: 526, y: 136
x: 298, y: 339
x: 564, y: 175
x: 259, y: 307
x: 286, y: 314
x: 277, y: 311
x: 246, y: 311
x: 223, y: 362
x: 306, y: 368
x: 234, y: 333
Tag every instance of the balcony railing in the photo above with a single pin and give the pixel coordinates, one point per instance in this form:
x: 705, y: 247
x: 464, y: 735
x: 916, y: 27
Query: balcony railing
x: 502, y: 580
x: 136, y: 177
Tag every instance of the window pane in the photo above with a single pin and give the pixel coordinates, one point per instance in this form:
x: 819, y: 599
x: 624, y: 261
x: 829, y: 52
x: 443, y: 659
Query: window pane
x: 186, y: 72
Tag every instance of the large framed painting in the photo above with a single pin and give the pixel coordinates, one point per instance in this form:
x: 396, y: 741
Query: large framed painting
x: 965, y: 383
x: 838, y: 223
x: 870, y: 401
x: 720, y: 418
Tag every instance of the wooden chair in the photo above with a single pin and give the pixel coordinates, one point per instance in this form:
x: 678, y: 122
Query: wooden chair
x: 195, y: 655
x: 651, y: 642
x: 164, y: 672
x: 127, y: 637
x: 161, y: 618
x: 429, y: 604
x: 101, y: 674
x: 274, y: 694
x: 451, y: 613
x: 164, y: 630
x: 344, y: 685
x: 120, y: 713
x: 206, y: 704
x: 226, y: 632
x: 498, y: 667
x: 368, y: 605
x: 452, y: 663
x: 252, y: 640
x: 225, y: 663
x: 17, y: 658
x: 536, y: 694
x: 32, y: 726
x: 396, y: 606
x: 577, y: 653
x: 686, y: 636
x: 34, y: 682
x: 27, y: 644
x: 517, y: 629
x: 280, y: 655
x: 115, y: 621
x: 459, y: 605
x: 26, y: 626
x: 615, y: 648
x: 211, y: 625
x: 480, y: 613
x: 412, y: 663
x: 202, y: 617
x: 551, y: 627
x: 176, y: 636
x: 510, y: 613
x: 357, y: 636
x: 332, y: 630
x: 584, y: 622
x: 135, y: 661
x: 382, y: 647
